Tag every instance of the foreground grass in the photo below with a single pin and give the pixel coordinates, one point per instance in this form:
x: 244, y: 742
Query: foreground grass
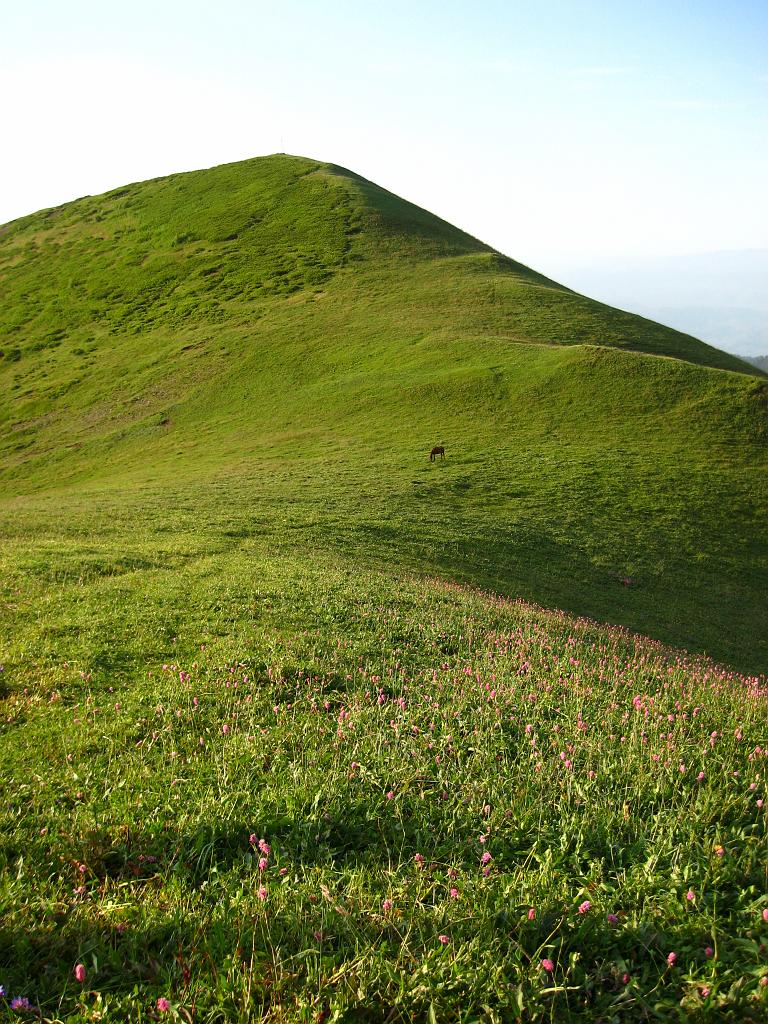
x: 474, y: 809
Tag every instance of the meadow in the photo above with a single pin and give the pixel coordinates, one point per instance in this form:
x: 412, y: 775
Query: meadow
x: 298, y: 726
x: 242, y: 781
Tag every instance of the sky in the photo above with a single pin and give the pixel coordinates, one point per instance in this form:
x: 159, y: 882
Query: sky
x: 567, y: 134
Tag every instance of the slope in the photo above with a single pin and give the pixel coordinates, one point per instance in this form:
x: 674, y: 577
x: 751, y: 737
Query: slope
x: 274, y: 345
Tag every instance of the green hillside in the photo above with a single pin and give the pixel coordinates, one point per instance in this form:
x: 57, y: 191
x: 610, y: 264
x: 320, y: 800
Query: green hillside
x: 286, y: 341
x: 299, y: 726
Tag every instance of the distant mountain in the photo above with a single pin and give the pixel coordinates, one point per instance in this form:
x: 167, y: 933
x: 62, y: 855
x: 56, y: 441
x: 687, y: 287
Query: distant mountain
x: 761, y: 362
x: 733, y: 329
x: 721, y: 297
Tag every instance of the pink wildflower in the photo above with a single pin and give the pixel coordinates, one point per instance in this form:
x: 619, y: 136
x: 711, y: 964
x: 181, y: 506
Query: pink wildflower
x: 386, y: 905
x: 690, y: 895
x: 671, y: 958
x: 584, y: 907
x: 708, y: 952
x: 485, y: 858
x: 547, y: 965
x: 531, y: 914
x: 263, y: 863
x: 225, y: 728
x: 80, y: 973
x: 262, y: 894
x: 419, y: 859
x: 163, y: 1005
x: 612, y: 919
x: 444, y: 939
x: 765, y: 914
x: 265, y: 847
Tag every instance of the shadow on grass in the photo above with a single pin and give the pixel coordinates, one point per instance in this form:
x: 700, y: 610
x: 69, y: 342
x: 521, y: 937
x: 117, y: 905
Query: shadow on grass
x: 709, y: 614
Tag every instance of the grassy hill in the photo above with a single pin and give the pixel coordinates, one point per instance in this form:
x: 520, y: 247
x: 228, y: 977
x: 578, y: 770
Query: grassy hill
x: 290, y: 340
x: 286, y: 732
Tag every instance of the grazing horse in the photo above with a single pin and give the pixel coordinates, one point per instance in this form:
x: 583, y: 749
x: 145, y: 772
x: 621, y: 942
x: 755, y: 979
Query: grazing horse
x: 437, y: 450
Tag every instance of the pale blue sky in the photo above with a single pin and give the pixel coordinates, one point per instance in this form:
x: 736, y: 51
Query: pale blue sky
x: 556, y: 131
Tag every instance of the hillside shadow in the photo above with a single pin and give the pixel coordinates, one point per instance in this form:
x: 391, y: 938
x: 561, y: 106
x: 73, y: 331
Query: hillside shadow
x: 698, y: 614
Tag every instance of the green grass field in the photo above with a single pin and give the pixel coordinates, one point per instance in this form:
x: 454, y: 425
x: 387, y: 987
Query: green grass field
x: 238, y: 603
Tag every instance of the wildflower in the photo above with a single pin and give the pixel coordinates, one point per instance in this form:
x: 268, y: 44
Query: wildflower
x: 252, y: 839
x: 262, y: 893
x: 444, y: 939
x: 21, y: 1003
x: 547, y: 965
x: 386, y: 905
x: 612, y: 919
x: 485, y: 858
x: 700, y: 777
x: 705, y: 991
x: 708, y: 952
x: 531, y: 914
x: 690, y: 895
x: 80, y: 973
x: 264, y: 847
x: 419, y: 859
x: 671, y: 958
x: 454, y: 893
x: 263, y: 864
x: 390, y: 795
x: 720, y: 851
x: 584, y: 907
x: 225, y: 728
x: 163, y: 1005
x: 765, y: 914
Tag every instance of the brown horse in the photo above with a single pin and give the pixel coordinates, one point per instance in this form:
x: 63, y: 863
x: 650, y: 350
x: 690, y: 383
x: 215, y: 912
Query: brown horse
x: 437, y: 450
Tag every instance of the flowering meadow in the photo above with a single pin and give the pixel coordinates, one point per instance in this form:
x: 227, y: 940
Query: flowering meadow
x: 352, y: 795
